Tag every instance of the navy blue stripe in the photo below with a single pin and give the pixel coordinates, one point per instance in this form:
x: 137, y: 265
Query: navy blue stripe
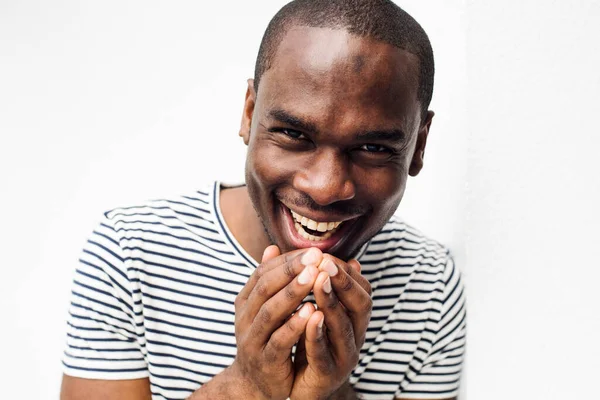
x: 195, y: 199
x: 76, y: 305
x: 189, y: 250
x: 98, y: 350
x: 105, y: 369
x: 188, y: 283
x: 195, y: 306
x: 190, y: 239
x: 106, y: 236
x: 175, y: 378
x: 112, y: 267
x: 190, y: 316
x: 189, y: 349
x: 166, y: 355
x: 185, y: 260
x: 162, y: 223
x: 180, y: 368
x: 103, y: 358
x: 108, y: 294
x: 196, y: 295
x: 191, y: 339
x: 191, y: 328
x: 89, y: 339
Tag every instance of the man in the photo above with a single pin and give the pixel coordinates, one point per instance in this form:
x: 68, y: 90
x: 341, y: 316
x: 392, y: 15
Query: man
x: 212, y: 295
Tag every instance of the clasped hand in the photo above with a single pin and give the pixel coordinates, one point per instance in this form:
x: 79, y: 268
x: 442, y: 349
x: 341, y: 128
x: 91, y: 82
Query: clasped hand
x: 268, y: 323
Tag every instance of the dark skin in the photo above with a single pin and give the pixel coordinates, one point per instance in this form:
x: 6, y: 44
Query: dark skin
x: 333, y: 133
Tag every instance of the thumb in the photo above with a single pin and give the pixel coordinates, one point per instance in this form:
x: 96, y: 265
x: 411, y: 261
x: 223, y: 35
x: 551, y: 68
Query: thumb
x: 270, y: 252
x: 300, y: 355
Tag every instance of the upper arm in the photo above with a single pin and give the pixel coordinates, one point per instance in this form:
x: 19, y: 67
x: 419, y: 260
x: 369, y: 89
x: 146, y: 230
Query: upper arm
x: 105, y: 343
x: 97, y: 389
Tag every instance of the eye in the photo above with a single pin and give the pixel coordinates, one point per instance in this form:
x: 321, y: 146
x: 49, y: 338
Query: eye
x: 292, y: 133
x: 375, y: 148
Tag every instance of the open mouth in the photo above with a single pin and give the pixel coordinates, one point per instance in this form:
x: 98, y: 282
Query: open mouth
x: 312, y: 230
x: 304, y: 232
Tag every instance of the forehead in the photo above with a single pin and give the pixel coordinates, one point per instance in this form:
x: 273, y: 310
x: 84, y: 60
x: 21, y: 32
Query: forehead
x: 332, y: 72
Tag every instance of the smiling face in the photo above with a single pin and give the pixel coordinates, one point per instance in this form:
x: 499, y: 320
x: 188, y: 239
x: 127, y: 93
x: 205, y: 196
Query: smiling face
x: 333, y: 133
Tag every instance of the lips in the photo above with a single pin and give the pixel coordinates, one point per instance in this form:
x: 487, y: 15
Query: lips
x: 313, y: 230
x: 304, y: 232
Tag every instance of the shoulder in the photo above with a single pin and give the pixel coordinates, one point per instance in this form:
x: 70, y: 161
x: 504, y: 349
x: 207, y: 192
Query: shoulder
x: 401, y: 260
x: 172, y: 225
x: 194, y: 204
x: 400, y: 242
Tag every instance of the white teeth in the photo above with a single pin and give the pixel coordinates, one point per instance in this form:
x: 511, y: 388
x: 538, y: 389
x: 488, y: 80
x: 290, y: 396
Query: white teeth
x: 322, y: 227
x: 328, y: 228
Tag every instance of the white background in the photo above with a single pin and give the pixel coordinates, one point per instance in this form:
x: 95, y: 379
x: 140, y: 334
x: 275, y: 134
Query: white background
x: 106, y: 104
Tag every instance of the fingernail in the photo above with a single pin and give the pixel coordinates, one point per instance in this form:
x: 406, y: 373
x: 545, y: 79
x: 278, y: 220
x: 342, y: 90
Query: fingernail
x: 304, y: 312
x: 305, y: 276
x: 311, y: 257
x: 330, y: 267
x: 320, y: 327
x: 327, y: 286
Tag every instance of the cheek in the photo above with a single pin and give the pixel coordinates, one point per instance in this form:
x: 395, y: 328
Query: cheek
x: 384, y: 189
x: 268, y: 165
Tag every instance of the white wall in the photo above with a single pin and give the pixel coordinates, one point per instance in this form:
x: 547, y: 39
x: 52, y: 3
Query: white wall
x: 105, y: 104
x: 533, y: 199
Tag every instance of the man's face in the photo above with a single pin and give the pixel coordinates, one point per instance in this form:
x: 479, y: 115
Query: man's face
x: 333, y: 133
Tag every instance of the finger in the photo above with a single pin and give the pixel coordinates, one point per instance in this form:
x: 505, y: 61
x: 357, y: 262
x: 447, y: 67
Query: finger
x: 355, y: 265
x: 271, y: 310
x: 356, y: 300
x: 300, y: 356
x: 270, y: 252
x: 279, y: 346
x: 340, y: 329
x: 313, y: 256
x: 317, y: 349
x: 352, y: 268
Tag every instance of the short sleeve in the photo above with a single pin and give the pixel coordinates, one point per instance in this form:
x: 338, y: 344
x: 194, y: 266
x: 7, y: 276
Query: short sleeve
x: 103, y: 326
x: 439, y: 375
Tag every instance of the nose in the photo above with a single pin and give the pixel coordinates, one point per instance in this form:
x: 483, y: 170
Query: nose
x: 326, y: 178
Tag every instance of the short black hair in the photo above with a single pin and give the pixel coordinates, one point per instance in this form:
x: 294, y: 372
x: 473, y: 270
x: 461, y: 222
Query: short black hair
x: 379, y: 19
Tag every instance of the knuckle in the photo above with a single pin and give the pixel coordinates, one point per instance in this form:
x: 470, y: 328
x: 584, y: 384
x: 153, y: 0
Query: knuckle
x: 333, y: 303
x: 289, y: 292
x: 237, y: 302
x: 291, y: 325
x: 262, y: 289
x: 264, y: 316
x: 275, y: 343
x: 347, y: 283
x: 259, y: 271
x: 288, y: 270
x: 368, y: 288
x: 347, y: 333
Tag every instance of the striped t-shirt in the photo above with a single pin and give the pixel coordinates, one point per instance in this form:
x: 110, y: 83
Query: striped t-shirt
x: 153, y: 296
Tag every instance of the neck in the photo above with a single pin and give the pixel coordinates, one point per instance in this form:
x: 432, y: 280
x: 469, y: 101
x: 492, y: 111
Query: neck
x: 242, y: 221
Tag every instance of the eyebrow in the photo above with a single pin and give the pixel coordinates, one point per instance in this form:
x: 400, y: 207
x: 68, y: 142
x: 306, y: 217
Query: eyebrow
x: 393, y: 135
x: 288, y: 119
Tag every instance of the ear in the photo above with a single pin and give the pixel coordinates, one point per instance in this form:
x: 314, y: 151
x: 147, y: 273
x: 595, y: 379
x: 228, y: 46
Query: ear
x: 419, y: 155
x: 248, y: 112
